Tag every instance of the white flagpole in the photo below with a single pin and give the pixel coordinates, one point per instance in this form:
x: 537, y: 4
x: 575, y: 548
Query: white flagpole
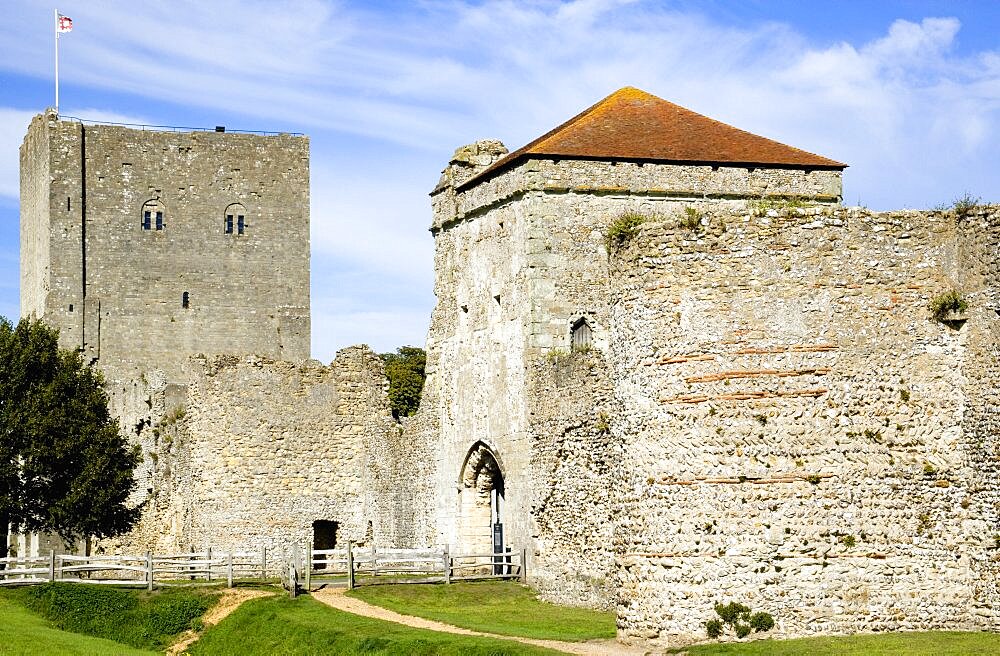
x: 55, y: 28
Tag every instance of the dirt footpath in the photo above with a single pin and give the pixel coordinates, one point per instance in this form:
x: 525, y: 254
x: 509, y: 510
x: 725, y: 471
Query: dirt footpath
x: 229, y: 601
x: 336, y: 598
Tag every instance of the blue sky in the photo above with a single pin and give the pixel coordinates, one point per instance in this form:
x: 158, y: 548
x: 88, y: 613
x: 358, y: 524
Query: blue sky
x: 907, y: 93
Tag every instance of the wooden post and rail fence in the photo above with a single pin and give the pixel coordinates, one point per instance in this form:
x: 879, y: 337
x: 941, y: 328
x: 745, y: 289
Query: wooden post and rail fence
x: 349, y: 567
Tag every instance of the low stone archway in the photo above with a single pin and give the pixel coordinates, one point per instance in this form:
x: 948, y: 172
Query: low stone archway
x: 481, y: 502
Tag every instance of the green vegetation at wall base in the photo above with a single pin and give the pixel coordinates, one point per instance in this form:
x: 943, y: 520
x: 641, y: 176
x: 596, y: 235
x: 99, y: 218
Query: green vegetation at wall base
x: 25, y: 632
x: 932, y: 643
x: 131, y: 617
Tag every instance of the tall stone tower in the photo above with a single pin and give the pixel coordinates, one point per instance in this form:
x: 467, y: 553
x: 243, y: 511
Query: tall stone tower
x: 144, y: 247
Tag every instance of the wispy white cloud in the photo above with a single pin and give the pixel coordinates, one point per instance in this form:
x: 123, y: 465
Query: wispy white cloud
x: 394, y: 91
x: 434, y: 75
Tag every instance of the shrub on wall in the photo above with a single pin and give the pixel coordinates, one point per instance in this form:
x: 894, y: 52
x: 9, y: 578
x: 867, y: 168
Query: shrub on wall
x: 944, y: 304
x: 740, y: 618
x: 623, y: 229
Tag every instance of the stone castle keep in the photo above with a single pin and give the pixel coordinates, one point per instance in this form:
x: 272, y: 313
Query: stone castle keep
x: 745, y: 400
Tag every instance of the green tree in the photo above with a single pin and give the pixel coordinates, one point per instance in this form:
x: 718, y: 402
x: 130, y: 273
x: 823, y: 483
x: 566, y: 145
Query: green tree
x: 64, y: 465
x: 405, y: 369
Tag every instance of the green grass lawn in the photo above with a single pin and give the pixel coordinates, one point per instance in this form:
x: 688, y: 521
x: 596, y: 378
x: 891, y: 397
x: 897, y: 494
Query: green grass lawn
x: 136, y: 618
x: 935, y: 643
x: 502, y: 607
x: 23, y: 632
x: 279, y: 625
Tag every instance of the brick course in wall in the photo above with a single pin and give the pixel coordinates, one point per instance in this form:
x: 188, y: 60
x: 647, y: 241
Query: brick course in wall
x: 767, y: 414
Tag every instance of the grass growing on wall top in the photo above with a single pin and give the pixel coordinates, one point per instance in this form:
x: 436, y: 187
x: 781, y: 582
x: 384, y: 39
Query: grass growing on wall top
x: 25, y: 632
x: 132, y: 617
x: 502, y: 607
x: 279, y: 625
x: 934, y: 643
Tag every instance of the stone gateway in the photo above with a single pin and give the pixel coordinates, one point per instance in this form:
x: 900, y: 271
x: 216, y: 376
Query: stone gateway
x: 663, y: 358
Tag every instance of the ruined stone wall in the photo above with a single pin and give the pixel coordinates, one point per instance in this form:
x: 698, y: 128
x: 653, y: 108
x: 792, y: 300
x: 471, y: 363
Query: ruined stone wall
x: 118, y: 289
x: 979, y: 269
x: 799, y: 435
x: 575, y: 465
x: 520, y: 258
x: 255, y: 450
x: 476, y: 370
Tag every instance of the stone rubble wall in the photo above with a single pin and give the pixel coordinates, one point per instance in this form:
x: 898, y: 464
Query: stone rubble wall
x: 254, y: 450
x: 574, y: 466
x: 800, y: 436
x: 519, y: 258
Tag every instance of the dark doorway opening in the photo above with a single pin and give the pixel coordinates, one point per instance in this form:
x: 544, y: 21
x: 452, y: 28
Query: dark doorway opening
x: 324, y: 536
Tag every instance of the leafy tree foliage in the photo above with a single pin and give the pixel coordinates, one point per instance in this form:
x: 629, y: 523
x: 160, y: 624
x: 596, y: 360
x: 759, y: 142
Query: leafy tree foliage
x: 64, y: 465
x: 405, y: 369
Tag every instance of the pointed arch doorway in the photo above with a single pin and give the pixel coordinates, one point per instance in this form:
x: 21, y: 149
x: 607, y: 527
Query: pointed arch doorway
x: 481, y: 502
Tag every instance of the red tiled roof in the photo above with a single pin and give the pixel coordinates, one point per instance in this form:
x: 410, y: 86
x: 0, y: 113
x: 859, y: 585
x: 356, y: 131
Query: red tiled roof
x: 631, y: 124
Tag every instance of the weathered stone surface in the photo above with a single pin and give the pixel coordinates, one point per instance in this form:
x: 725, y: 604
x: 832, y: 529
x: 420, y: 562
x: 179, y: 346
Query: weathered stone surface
x: 767, y: 413
x: 800, y: 435
x: 116, y: 289
x: 256, y: 450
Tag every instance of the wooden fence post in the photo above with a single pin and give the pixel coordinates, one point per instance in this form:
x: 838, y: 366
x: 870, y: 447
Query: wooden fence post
x: 149, y: 571
x: 293, y: 579
x: 210, y: 563
x: 524, y: 565
x: 350, y: 565
x: 447, y: 565
x: 374, y: 562
x: 263, y: 563
x: 52, y: 565
x: 309, y: 566
x: 229, y: 570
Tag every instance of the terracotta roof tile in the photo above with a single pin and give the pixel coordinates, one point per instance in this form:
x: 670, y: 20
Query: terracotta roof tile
x: 631, y: 124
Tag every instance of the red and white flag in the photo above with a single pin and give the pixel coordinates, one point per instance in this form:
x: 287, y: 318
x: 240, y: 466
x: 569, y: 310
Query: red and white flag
x: 63, y: 23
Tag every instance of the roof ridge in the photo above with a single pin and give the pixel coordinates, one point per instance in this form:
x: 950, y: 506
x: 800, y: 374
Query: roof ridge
x: 632, y: 124
x: 565, y: 124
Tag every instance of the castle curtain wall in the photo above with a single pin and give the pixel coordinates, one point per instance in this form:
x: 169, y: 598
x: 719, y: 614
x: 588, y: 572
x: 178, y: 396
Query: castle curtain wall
x: 800, y: 435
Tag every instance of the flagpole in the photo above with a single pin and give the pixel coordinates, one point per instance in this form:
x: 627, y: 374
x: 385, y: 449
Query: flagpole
x: 55, y: 28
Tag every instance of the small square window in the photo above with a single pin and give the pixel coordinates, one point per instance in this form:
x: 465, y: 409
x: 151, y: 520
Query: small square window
x: 229, y: 224
x: 239, y: 224
x: 146, y: 220
x: 159, y: 220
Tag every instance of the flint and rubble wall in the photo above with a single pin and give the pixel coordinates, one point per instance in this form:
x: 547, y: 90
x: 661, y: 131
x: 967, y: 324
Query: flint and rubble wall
x: 253, y: 451
x: 800, y: 436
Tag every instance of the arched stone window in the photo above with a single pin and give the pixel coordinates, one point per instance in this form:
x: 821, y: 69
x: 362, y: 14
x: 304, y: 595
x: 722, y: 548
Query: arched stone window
x: 235, y: 222
x: 581, y: 335
x: 151, y: 216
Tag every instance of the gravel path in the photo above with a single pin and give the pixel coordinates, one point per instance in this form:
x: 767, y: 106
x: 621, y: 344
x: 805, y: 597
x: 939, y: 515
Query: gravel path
x: 229, y: 601
x: 336, y: 598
